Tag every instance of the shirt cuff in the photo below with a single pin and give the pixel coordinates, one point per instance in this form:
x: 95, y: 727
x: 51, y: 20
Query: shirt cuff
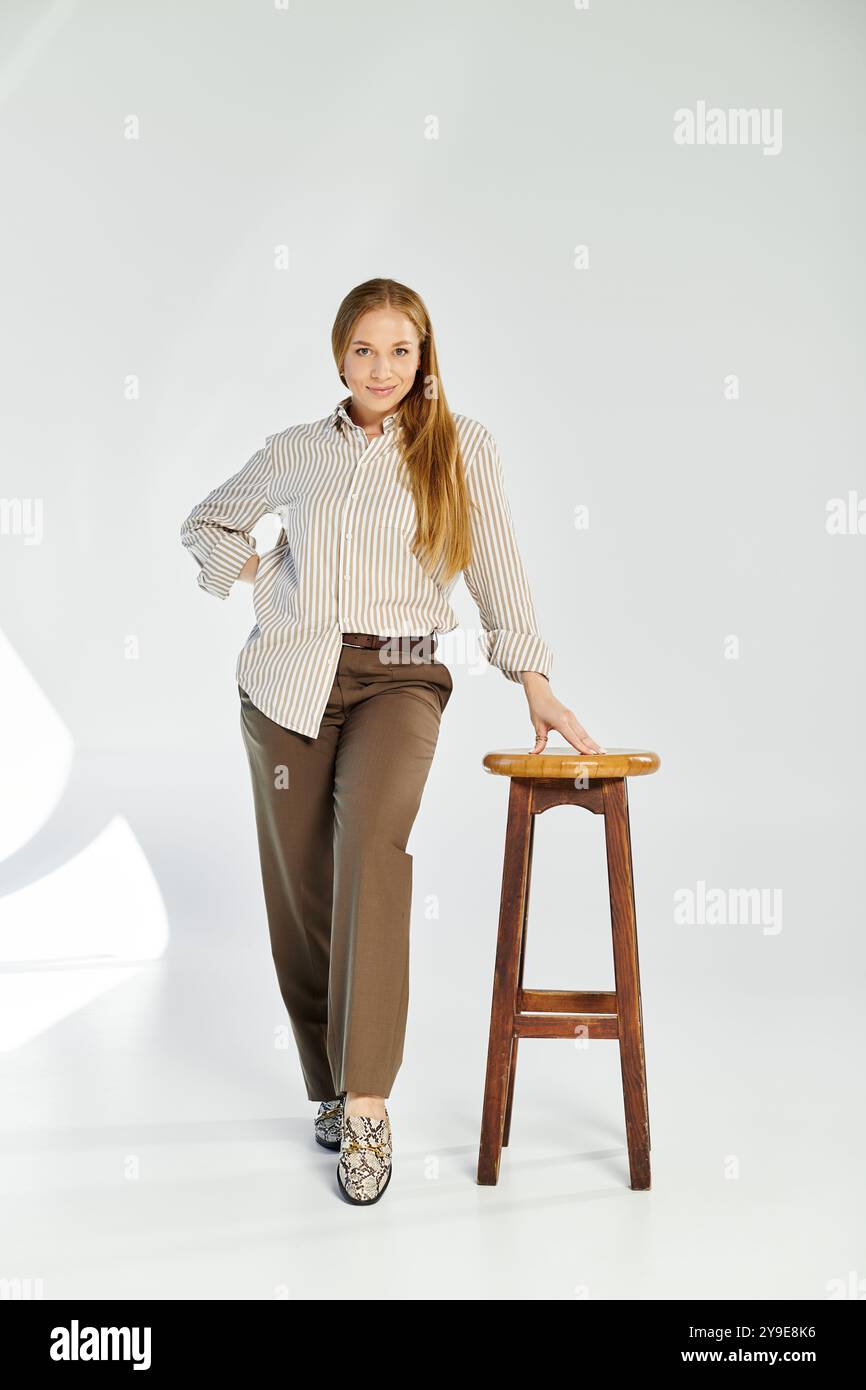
x: 515, y: 652
x: 224, y: 564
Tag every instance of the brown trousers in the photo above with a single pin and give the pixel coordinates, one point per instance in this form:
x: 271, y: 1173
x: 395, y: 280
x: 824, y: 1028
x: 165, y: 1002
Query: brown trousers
x: 333, y: 815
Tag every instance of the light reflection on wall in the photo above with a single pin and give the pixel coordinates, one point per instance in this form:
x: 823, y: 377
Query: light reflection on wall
x: 90, y: 924
x: 36, y: 751
x: 77, y: 933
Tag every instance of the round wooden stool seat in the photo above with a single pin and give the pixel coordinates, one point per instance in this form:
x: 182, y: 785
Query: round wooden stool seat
x: 565, y: 761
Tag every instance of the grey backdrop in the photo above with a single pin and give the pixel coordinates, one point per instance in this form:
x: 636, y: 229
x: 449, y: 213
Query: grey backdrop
x: 706, y: 612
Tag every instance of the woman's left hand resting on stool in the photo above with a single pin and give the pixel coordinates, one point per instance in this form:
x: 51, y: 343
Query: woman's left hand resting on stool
x: 546, y: 713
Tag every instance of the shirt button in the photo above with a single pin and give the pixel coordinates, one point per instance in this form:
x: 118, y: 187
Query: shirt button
x: 348, y: 535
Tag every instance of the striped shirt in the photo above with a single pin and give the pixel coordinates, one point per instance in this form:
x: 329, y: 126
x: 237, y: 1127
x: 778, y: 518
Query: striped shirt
x: 343, y: 563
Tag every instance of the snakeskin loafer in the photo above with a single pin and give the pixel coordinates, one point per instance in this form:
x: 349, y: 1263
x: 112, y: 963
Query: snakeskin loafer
x: 328, y: 1124
x: 365, y: 1166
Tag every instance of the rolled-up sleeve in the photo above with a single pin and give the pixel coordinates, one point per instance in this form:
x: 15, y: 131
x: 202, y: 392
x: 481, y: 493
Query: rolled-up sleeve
x: 216, y: 532
x: 496, y: 578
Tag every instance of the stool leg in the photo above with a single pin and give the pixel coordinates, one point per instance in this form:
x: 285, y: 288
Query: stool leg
x: 500, y: 1054
x: 637, y: 966
x: 512, y: 1070
x: 625, y: 962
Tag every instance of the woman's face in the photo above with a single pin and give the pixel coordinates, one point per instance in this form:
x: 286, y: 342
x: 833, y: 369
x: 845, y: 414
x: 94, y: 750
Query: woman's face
x: 381, y: 360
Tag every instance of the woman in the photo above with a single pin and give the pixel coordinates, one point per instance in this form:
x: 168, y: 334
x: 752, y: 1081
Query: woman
x: 383, y: 503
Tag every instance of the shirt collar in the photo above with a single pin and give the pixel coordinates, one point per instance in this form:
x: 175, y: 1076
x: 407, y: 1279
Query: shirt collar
x: 341, y: 414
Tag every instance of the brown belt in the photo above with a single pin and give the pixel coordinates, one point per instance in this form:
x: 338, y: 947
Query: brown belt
x: 368, y: 639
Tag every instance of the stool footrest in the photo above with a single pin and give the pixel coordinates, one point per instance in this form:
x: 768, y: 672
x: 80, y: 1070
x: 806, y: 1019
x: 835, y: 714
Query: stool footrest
x: 562, y: 1001
x: 565, y: 1025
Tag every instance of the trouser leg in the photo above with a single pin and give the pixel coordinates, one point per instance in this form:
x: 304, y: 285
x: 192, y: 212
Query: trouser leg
x: 292, y: 779
x: 385, y: 750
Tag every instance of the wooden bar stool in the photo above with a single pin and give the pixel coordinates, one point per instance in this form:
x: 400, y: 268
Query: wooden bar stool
x: 565, y: 777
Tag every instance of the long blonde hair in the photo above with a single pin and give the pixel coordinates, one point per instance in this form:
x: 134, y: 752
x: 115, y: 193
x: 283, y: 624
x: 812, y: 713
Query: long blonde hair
x: 426, y: 433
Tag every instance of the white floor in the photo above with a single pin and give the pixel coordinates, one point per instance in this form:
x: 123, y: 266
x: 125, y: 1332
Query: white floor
x: 232, y: 1199
x: 157, y: 1143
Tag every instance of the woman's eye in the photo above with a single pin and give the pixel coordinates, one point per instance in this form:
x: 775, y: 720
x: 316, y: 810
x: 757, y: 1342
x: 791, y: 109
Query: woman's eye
x: 361, y: 350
